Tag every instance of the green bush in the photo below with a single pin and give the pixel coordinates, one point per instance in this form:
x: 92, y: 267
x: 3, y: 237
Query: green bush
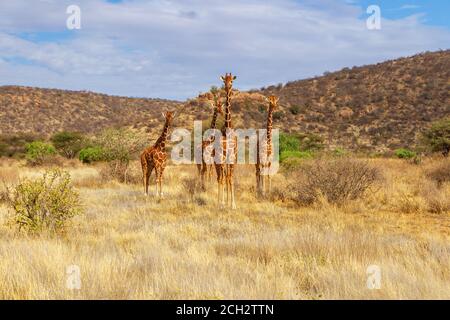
x: 300, y: 142
x: 3, y: 149
x: 437, y: 137
x: 119, y: 147
x: 289, y: 142
x: 15, y: 146
x: 68, y: 144
x: 91, y: 154
x: 295, y: 154
x: 405, y: 154
x: 277, y: 115
x: 38, y: 151
x: 310, y: 142
x: 339, y: 152
x: 121, y: 144
x: 291, y: 164
x: 295, y: 110
x: 45, y: 203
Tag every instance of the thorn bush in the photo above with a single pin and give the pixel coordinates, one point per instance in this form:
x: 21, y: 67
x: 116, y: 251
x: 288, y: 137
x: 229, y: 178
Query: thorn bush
x: 45, y: 203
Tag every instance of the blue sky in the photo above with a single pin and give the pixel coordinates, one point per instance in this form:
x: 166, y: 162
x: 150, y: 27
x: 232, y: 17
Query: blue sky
x: 435, y: 12
x: 175, y: 49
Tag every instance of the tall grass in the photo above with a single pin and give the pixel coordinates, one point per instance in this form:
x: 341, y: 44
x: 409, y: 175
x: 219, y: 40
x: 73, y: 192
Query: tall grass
x: 128, y: 246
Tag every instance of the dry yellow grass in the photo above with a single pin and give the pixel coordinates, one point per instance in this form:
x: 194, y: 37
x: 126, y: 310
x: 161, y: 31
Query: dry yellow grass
x: 131, y: 247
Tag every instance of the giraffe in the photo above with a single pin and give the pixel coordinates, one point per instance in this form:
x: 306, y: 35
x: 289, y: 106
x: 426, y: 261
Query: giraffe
x: 206, y: 147
x: 155, y: 157
x: 228, y: 154
x: 264, y: 150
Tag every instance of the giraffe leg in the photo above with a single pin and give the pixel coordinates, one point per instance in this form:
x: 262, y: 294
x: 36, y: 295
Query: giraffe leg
x: 222, y: 187
x: 144, y: 172
x: 263, y: 183
x: 230, y: 179
x: 211, y: 172
x: 258, y: 180
x: 227, y: 186
x: 147, y: 175
x: 203, y: 175
x: 218, y: 192
x: 161, y: 194
x: 147, y: 178
x: 157, y: 181
x: 269, y: 178
x: 144, y: 179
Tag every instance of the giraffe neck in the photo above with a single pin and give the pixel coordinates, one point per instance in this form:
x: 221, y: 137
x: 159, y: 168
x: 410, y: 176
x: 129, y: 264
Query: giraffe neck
x: 161, y: 142
x: 228, y: 124
x: 269, y: 126
x: 214, y: 118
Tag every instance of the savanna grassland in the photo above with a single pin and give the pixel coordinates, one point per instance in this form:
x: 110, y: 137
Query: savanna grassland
x: 183, y: 247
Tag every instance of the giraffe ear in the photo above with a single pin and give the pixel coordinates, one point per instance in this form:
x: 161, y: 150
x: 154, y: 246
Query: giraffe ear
x: 163, y: 115
x: 234, y: 78
x: 222, y: 78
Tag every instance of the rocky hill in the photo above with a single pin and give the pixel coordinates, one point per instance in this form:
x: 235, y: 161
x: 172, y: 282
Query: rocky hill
x: 382, y: 106
x: 375, y: 107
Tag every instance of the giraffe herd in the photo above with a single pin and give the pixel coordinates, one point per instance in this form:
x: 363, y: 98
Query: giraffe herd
x: 155, y: 157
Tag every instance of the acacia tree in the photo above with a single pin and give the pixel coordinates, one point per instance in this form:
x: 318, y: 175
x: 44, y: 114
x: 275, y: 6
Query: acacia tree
x: 67, y: 143
x: 437, y: 137
x: 119, y: 147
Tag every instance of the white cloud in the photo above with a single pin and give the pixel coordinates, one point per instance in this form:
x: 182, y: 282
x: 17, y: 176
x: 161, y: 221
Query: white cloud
x: 409, y: 6
x: 175, y: 49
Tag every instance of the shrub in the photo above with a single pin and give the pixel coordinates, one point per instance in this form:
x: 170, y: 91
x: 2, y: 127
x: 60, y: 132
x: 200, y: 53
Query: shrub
x: 337, y: 180
x: 435, y: 199
x: 300, y: 142
x: 291, y: 164
x: 120, y: 144
x: 295, y: 110
x: 277, y: 115
x: 68, y: 144
x: 91, y: 154
x: 339, y: 152
x: 121, y: 172
x: 15, y: 146
x: 440, y: 173
x: 190, y: 186
x: 289, y: 142
x: 119, y: 147
x: 44, y: 204
x: 405, y: 154
x: 295, y: 154
x: 310, y: 142
x: 437, y: 137
x: 3, y: 148
x: 38, y: 152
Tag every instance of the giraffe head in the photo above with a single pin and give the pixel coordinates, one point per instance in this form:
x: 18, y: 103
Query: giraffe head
x: 273, y: 103
x: 228, y: 79
x: 213, y: 99
x: 169, y: 115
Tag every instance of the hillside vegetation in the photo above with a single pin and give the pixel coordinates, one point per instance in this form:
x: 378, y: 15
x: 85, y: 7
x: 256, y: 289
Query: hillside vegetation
x: 377, y: 107
x: 382, y: 106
